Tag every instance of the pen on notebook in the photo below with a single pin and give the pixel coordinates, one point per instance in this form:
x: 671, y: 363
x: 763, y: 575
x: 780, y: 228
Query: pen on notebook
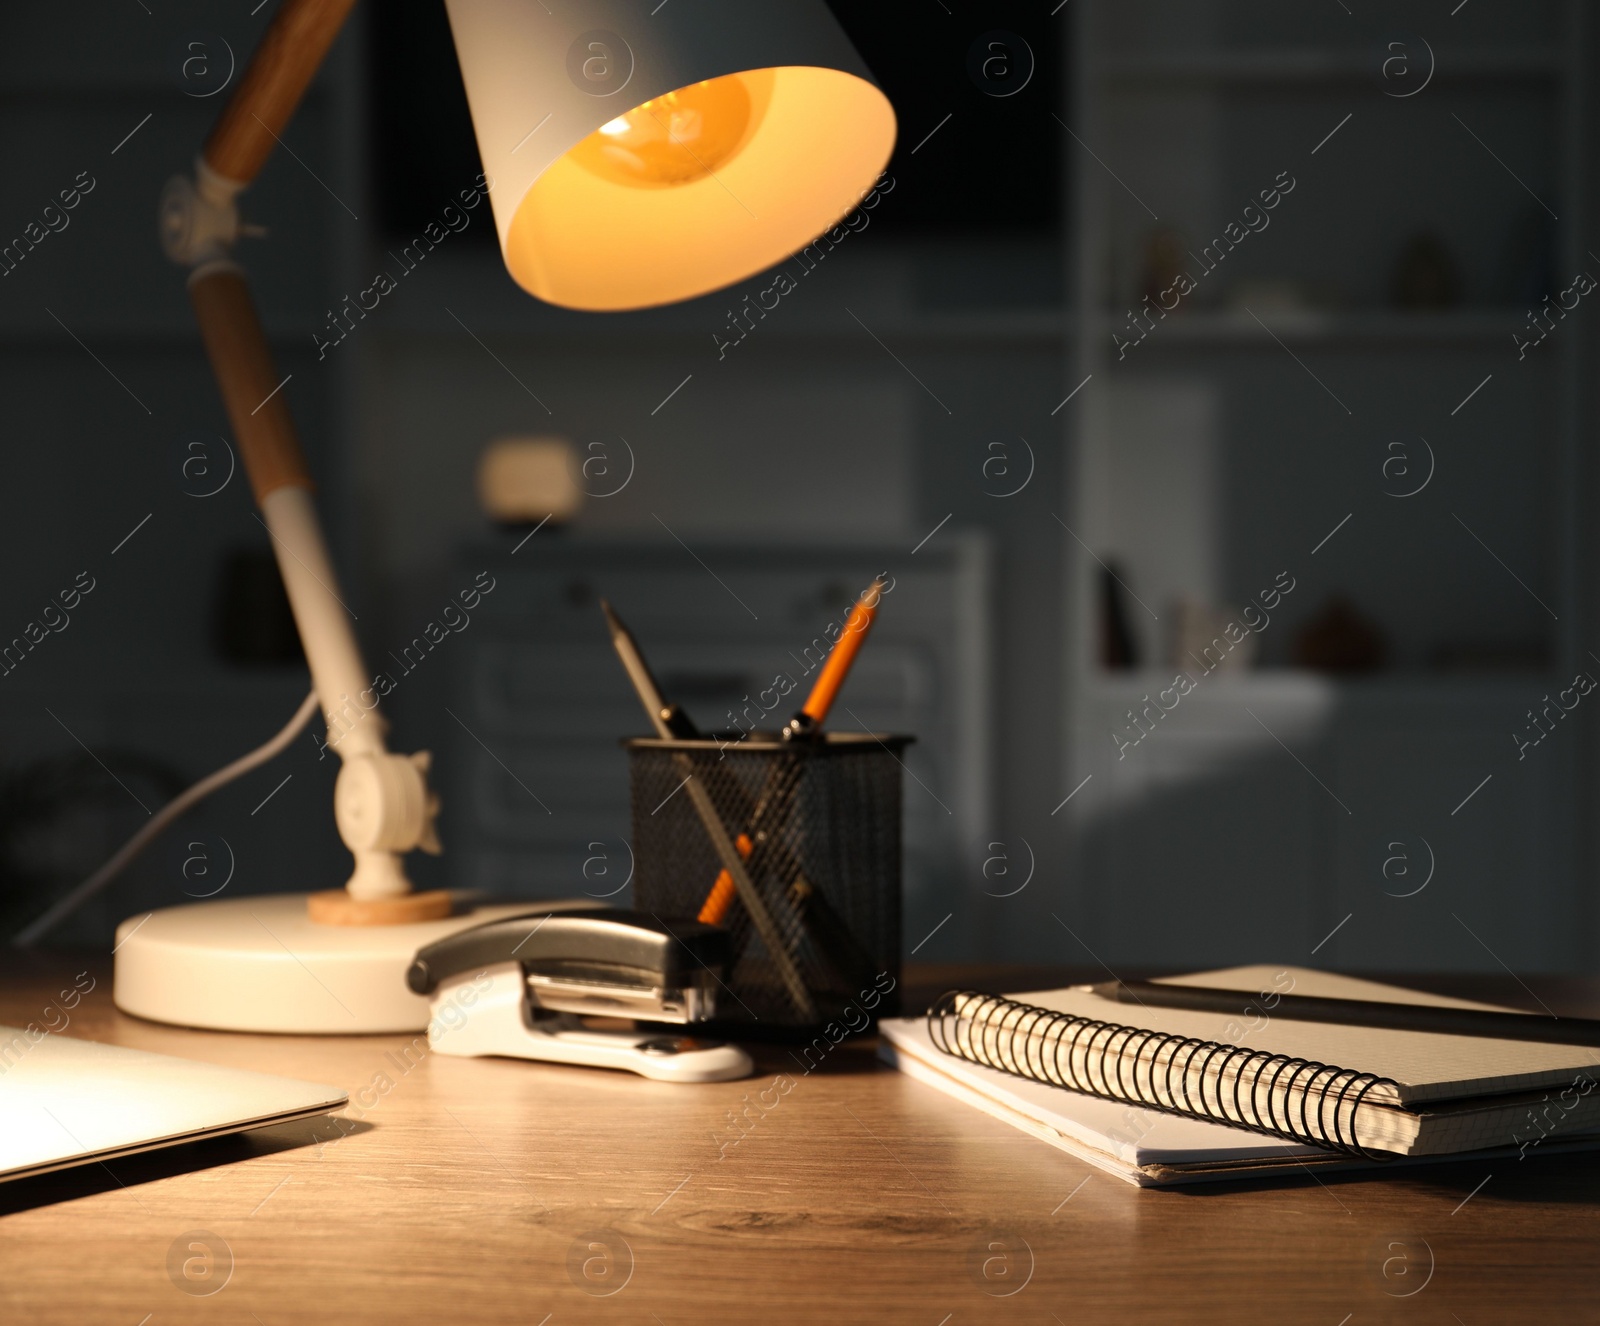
x: 806, y: 723
x: 732, y: 861
x: 1356, y: 1012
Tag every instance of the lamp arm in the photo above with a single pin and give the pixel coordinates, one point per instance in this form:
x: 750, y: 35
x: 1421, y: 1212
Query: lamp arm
x: 285, y: 61
x: 199, y: 217
x: 381, y: 801
x: 241, y: 362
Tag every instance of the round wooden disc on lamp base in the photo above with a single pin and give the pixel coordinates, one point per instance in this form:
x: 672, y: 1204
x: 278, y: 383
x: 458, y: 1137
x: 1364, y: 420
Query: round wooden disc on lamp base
x: 337, y: 907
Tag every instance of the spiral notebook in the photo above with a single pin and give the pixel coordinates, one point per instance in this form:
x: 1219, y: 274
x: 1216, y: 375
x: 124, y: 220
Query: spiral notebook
x: 1180, y: 1096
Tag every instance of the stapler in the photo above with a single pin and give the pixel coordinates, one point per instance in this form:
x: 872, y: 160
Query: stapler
x: 519, y: 985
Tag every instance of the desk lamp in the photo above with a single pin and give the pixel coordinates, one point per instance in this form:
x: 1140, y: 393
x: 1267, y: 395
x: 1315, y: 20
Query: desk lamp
x: 636, y: 153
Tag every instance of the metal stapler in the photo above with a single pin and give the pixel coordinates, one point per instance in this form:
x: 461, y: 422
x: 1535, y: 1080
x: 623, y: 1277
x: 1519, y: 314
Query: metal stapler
x: 518, y: 987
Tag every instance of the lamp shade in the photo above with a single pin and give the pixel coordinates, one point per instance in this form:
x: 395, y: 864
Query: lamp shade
x: 640, y: 153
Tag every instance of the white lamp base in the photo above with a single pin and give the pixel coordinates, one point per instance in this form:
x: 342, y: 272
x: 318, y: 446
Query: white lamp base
x: 262, y: 964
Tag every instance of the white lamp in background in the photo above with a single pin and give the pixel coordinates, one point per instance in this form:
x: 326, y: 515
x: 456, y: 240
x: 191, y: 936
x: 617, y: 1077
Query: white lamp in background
x: 639, y: 154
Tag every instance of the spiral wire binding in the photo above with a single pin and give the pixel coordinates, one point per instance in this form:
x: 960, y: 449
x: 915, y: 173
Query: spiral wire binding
x: 1136, y: 1065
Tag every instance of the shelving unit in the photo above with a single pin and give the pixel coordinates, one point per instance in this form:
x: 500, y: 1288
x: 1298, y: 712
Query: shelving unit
x: 1233, y: 439
x: 1292, y: 67
x: 1233, y: 328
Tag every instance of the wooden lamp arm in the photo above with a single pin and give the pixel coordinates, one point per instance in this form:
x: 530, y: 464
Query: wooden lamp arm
x: 381, y: 801
x: 282, y: 67
x: 242, y: 363
x: 284, y: 63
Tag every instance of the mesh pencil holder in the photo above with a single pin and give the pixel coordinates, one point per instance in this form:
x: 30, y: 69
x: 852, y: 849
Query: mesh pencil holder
x: 815, y: 825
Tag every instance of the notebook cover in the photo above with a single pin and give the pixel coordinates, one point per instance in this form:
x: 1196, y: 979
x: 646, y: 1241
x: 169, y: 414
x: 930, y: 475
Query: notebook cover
x: 1152, y: 1148
x: 1426, y: 1065
x: 1073, y: 1122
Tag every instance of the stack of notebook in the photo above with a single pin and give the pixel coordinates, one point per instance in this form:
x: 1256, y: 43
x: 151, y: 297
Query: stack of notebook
x: 1180, y: 1096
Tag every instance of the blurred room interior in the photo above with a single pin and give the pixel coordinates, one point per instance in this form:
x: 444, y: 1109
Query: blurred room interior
x: 1346, y: 452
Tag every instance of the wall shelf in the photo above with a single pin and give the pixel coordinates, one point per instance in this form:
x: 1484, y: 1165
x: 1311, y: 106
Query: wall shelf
x: 1295, y: 68
x: 1205, y: 329
x: 1290, y: 684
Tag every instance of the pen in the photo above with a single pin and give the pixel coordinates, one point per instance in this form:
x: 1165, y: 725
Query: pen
x: 806, y: 723
x: 732, y: 862
x: 836, y: 667
x: 1357, y: 1012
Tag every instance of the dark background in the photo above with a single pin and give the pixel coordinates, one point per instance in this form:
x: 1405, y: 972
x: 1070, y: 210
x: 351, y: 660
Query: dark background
x: 1255, y: 820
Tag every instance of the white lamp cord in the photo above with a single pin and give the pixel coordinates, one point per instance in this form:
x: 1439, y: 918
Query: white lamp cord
x: 36, y: 930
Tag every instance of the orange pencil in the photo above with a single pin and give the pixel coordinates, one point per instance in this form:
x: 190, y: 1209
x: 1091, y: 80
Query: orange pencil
x: 835, y: 668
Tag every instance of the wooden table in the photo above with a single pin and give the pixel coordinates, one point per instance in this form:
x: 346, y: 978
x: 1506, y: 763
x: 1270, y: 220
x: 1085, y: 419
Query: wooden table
x: 494, y: 1191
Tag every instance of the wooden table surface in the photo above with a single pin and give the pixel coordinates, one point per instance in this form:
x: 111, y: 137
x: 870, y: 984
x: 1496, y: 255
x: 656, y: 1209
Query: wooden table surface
x: 496, y: 1191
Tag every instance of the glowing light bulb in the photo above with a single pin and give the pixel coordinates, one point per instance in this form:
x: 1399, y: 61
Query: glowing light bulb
x: 674, y: 139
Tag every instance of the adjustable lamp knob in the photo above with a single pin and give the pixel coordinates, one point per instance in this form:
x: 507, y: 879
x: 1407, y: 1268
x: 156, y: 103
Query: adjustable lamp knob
x: 382, y: 803
x: 199, y: 218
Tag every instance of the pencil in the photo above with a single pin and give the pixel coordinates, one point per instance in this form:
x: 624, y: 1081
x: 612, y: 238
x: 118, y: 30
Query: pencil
x: 644, y: 684
x: 824, y: 691
x: 1358, y: 1012
x: 669, y: 719
x: 836, y: 667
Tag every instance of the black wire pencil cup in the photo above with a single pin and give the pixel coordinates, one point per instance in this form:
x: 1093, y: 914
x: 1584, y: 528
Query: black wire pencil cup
x: 821, y: 821
x: 791, y: 840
